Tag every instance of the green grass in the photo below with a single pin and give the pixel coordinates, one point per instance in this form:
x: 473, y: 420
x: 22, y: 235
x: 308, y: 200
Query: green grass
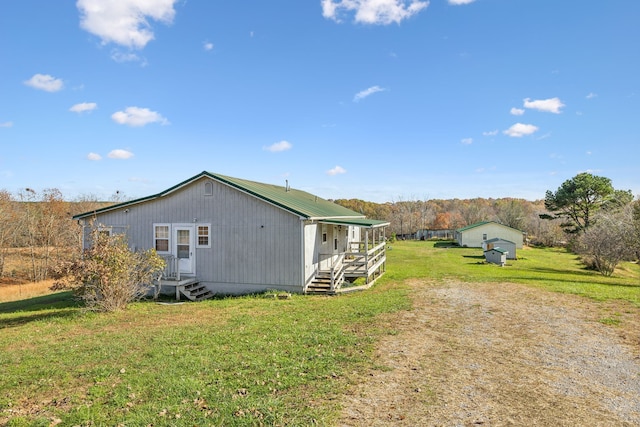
x: 238, y: 361
x: 554, y: 269
x: 235, y: 361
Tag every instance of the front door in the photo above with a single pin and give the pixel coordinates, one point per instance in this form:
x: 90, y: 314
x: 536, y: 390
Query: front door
x: 184, y: 245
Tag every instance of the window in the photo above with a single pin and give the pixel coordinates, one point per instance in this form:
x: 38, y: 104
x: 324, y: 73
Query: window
x: 484, y: 237
x: 204, y: 239
x: 324, y: 233
x: 208, y: 188
x: 161, y: 237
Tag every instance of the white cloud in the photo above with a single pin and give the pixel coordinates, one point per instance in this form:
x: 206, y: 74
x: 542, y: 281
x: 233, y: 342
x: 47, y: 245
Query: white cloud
x: 517, y: 111
x: 519, y: 129
x: 592, y: 95
x: 135, y: 116
x: 124, y: 22
x: 207, y: 46
x: 382, y: 12
x: 367, y: 92
x: 551, y: 105
x: 459, y: 2
x: 336, y: 171
x: 467, y: 141
x: 45, y: 82
x: 83, y: 106
x: 94, y: 156
x: 120, y: 154
x: 279, y: 146
x: 6, y: 125
x: 121, y: 57
x: 491, y: 133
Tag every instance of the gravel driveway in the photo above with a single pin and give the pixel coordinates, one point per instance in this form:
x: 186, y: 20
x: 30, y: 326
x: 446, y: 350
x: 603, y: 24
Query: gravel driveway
x: 502, y: 355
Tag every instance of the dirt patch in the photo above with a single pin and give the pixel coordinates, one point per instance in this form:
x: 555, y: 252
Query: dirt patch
x: 499, y: 355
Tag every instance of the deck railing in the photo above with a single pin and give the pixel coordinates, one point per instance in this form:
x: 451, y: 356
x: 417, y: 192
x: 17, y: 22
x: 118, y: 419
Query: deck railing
x: 171, y: 270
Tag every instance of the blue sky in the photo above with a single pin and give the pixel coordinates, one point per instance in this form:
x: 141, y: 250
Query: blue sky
x: 382, y: 100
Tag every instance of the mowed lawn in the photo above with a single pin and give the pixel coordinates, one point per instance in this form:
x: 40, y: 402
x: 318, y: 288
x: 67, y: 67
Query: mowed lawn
x: 237, y: 361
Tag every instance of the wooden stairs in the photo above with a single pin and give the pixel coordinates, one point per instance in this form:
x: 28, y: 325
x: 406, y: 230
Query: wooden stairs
x: 195, y: 291
x: 321, y: 284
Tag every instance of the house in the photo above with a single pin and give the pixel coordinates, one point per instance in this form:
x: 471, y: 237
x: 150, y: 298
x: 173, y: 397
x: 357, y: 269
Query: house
x: 503, y: 244
x: 496, y: 256
x: 227, y: 235
x: 473, y: 235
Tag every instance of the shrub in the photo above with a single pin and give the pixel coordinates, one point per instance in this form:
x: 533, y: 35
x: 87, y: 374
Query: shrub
x: 109, y: 275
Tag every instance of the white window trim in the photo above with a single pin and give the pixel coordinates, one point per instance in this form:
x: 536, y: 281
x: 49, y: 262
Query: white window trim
x: 161, y: 224
x: 198, y: 245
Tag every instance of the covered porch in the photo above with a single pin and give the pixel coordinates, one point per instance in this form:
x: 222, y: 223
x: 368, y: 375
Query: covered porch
x: 364, y: 258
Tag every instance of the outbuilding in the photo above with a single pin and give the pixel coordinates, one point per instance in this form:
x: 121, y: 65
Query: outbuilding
x: 473, y: 235
x: 503, y: 244
x: 496, y: 256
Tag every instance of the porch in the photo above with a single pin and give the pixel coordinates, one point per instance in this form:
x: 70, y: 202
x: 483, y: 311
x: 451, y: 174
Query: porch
x: 361, y: 259
x: 187, y: 285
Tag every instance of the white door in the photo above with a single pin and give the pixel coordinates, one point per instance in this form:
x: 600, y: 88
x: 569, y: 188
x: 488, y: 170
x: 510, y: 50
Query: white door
x: 184, y: 248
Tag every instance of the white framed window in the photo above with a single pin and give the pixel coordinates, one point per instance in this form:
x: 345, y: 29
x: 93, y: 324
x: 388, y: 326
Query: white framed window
x: 203, y: 236
x: 324, y: 233
x: 161, y: 238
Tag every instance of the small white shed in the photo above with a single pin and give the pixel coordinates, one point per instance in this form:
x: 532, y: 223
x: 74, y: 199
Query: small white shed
x: 496, y: 256
x: 503, y: 244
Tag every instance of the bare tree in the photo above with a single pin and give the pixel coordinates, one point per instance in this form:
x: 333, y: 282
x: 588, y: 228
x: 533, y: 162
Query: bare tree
x: 608, y: 241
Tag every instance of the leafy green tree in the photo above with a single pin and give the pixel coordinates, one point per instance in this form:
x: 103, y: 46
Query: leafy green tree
x: 578, y: 199
x: 109, y: 275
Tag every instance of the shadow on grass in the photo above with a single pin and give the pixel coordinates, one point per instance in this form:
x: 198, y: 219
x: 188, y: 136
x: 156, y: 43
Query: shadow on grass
x: 447, y: 245
x: 54, y: 306
x: 45, y: 302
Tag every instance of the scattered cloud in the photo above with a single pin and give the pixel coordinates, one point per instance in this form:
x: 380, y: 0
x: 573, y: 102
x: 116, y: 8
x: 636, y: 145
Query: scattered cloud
x: 338, y: 170
x: 459, y: 2
x: 136, y: 116
x: 119, y: 56
x: 467, y: 141
x: 94, y: 157
x: 491, y: 133
x: 6, y: 125
x: 378, y: 12
x: 124, y: 22
x: 207, y: 46
x: 83, y: 106
x: 516, y: 111
x: 592, y: 95
x: 367, y: 92
x: 45, y: 82
x: 551, y: 105
x: 279, y: 146
x: 519, y: 129
x: 588, y: 153
x: 120, y: 154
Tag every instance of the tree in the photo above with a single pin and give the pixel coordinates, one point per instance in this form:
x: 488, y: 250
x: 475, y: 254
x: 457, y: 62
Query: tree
x: 109, y: 275
x: 579, y: 198
x: 609, y: 240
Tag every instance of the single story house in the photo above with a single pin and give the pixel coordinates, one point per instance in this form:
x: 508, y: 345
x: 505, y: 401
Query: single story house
x: 473, y: 235
x: 220, y: 234
x: 496, y: 256
x: 503, y: 244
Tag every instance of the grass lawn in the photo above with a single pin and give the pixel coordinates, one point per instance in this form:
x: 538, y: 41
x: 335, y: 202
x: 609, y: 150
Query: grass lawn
x: 550, y: 268
x: 236, y: 361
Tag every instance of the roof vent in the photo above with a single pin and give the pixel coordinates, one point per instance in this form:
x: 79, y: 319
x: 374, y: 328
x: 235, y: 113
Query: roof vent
x: 287, y: 188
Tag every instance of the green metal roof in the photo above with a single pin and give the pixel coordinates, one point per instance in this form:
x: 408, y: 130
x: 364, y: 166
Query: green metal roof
x: 477, y: 224
x: 301, y: 203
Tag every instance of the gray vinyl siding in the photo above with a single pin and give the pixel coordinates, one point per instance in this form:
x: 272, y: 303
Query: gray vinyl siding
x: 254, y: 245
